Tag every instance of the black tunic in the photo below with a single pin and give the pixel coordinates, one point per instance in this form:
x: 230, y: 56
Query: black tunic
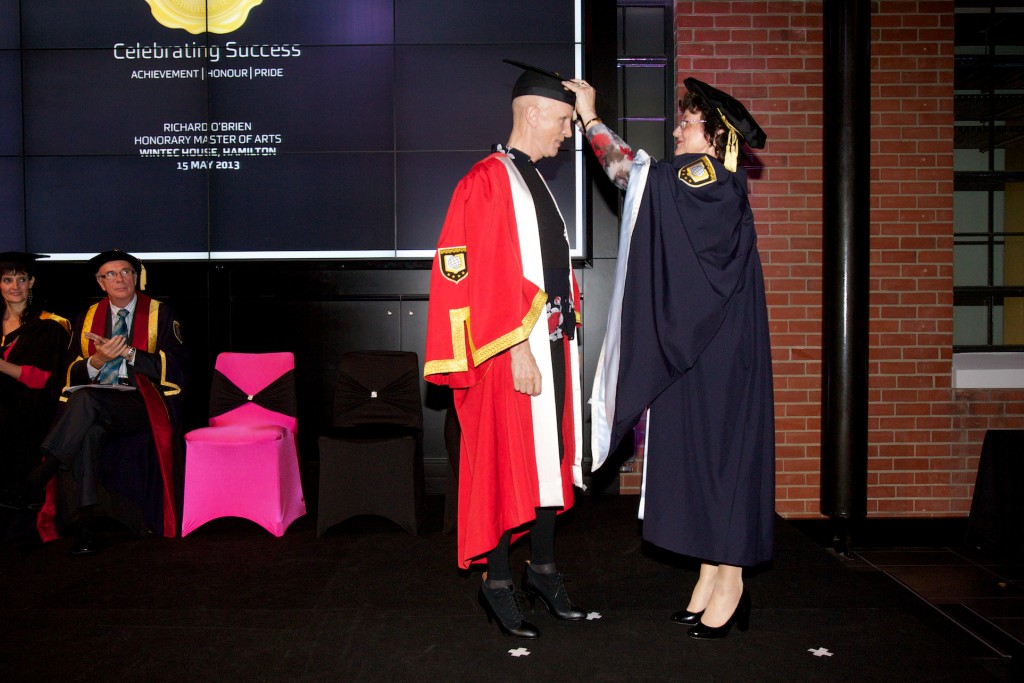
x: 25, y: 413
x: 695, y: 349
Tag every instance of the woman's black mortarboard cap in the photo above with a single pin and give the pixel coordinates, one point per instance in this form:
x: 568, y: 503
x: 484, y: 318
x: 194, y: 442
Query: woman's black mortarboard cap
x: 20, y: 258
x: 735, y: 116
x: 541, y: 82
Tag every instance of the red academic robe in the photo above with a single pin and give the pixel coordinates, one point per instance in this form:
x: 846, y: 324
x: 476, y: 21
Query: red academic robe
x: 486, y: 295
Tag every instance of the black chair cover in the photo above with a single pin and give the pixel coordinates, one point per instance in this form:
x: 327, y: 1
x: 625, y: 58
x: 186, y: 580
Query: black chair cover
x: 371, y: 463
x: 377, y: 388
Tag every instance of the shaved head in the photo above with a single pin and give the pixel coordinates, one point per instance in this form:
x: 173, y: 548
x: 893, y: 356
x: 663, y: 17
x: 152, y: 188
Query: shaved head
x: 539, y: 125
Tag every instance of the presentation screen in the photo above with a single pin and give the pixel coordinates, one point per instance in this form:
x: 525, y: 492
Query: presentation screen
x: 262, y: 129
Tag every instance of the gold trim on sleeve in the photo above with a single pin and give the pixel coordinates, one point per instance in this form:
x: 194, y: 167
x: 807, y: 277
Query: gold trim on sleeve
x: 67, y: 379
x: 517, y: 335
x: 457, y: 317
x: 174, y: 389
x: 461, y: 322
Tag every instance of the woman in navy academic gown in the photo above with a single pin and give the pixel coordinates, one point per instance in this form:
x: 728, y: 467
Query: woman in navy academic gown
x: 688, y: 341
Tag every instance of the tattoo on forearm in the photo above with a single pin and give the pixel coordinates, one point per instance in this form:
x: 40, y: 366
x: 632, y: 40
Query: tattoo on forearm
x: 614, y: 155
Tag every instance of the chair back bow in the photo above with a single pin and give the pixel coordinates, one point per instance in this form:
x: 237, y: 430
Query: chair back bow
x: 278, y: 396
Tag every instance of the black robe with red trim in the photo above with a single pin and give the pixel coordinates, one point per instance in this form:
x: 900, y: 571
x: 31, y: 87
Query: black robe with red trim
x: 27, y: 404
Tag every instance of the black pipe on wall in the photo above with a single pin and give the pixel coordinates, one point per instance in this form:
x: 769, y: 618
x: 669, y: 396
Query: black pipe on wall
x: 846, y: 264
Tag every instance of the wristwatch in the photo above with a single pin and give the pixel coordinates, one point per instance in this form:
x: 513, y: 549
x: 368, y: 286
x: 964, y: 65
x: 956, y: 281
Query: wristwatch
x: 131, y: 355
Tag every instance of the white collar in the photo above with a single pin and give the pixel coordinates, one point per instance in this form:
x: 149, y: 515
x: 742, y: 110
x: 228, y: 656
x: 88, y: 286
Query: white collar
x: 130, y: 307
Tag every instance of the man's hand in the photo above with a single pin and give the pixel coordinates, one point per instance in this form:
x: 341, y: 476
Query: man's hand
x: 115, y: 347
x: 525, y: 373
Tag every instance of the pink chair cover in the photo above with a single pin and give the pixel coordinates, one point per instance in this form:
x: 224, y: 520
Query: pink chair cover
x: 245, y: 464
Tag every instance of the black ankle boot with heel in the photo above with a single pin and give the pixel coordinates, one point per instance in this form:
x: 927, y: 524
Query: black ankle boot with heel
x: 551, y: 591
x: 502, y: 605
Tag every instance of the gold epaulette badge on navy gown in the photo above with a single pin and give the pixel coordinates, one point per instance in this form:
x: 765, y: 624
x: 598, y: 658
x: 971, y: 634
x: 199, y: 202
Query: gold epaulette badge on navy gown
x: 697, y: 173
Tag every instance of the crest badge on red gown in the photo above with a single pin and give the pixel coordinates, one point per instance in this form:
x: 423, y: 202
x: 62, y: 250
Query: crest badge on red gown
x: 452, y: 261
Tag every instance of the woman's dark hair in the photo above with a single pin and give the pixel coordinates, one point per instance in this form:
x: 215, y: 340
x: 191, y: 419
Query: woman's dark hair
x: 34, y: 307
x: 715, y: 130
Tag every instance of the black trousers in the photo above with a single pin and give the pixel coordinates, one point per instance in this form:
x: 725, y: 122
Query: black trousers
x: 77, y: 438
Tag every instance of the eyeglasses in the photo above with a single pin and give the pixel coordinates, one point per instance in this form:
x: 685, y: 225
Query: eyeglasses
x: 683, y: 122
x: 111, y: 274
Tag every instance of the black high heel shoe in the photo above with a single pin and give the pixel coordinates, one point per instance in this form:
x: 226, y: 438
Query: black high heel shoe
x: 740, y: 617
x: 686, y: 617
x: 551, y: 591
x: 502, y: 604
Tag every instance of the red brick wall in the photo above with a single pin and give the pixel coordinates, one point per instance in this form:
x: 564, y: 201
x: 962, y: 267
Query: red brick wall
x: 924, y: 438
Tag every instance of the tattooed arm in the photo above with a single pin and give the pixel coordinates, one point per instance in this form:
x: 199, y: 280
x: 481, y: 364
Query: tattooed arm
x: 612, y: 152
x: 615, y: 155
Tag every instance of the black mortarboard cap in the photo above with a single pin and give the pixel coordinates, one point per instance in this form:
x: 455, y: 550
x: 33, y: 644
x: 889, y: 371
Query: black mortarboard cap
x: 537, y: 81
x: 114, y: 255
x: 20, y: 259
x: 732, y: 110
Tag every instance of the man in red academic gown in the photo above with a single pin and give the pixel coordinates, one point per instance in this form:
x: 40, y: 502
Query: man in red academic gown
x: 501, y: 333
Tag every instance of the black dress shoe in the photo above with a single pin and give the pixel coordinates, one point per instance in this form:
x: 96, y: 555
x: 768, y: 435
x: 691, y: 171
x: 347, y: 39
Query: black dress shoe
x: 502, y: 605
x: 740, y: 617
x: 22, y: 498
x: 551, y: 591
x: 686, y: 617
x: 85, y: 544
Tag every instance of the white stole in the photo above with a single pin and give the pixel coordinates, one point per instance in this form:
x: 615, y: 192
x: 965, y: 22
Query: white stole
x: 546, y: 428
x: 602, y: 398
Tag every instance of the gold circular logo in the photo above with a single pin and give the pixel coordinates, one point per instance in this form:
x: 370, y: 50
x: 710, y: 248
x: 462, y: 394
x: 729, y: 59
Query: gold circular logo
x: 199, y: 16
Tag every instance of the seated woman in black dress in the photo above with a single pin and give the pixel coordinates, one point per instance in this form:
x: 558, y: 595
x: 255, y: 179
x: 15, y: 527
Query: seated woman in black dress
x: 33, y: 355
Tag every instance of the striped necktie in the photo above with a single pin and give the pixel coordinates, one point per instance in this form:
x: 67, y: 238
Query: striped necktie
x: 108, y: 373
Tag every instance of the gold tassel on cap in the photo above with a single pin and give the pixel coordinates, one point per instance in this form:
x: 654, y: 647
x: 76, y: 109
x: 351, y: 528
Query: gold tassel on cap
x: 732, y: 145
x: 732, y: 151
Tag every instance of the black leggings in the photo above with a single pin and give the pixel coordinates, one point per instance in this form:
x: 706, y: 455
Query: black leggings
x: 542, y: 546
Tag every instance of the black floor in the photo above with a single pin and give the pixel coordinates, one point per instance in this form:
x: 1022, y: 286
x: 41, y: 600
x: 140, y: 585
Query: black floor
x: 979, y: 595
x: 369, y: 602
x: 974, y: 595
